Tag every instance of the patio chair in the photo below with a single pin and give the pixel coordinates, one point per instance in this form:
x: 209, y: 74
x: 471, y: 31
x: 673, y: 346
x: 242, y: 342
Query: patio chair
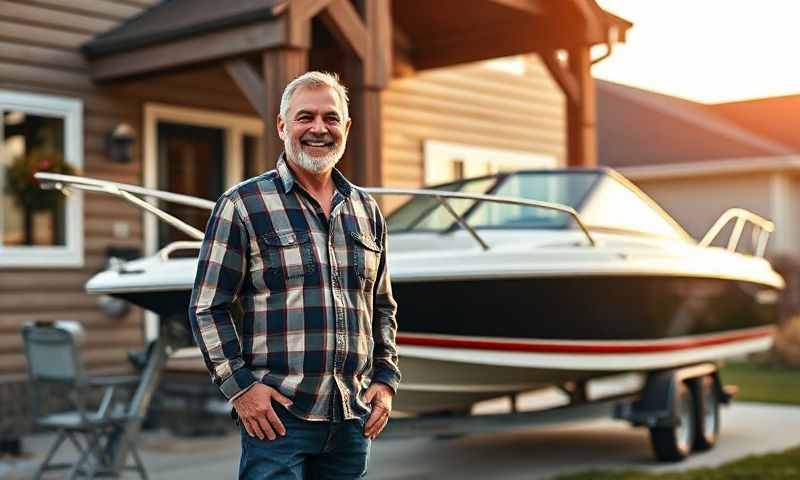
x: 52, y: 352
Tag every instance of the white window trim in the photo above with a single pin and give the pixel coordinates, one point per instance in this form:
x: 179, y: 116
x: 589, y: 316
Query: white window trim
x: 71, y: 110
x: 435, y: 151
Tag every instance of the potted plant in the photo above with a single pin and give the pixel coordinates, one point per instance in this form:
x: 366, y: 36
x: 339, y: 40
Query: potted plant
x: 25, y: 188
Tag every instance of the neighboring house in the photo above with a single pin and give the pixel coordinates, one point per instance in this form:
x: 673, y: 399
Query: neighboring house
x: 193, y: 86
x: 699, y: 160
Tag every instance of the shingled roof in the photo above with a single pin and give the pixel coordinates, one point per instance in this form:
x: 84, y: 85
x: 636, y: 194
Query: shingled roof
x: 774, y: 117
x: 174, y: 19
x: 639, y: 127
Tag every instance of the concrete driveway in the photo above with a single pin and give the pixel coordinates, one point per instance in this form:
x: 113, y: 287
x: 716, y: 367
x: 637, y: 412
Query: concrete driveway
x: 747, y: 428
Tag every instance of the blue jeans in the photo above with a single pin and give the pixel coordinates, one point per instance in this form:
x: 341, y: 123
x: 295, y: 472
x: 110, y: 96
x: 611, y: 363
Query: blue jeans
x: 310, y: 450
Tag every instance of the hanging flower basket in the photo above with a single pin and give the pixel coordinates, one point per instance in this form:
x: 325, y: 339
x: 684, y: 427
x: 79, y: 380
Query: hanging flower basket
x: 25, y: 188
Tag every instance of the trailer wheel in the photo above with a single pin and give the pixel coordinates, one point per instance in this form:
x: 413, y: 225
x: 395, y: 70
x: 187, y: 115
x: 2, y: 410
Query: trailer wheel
x: 674, y: 443
x: 708, y: 419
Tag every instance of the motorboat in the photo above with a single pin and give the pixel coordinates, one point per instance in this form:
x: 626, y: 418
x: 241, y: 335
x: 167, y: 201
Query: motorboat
x: 519, y: 281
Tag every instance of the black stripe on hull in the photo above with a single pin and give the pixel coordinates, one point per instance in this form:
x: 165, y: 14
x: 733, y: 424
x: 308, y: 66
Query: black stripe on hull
x: 582, y: 308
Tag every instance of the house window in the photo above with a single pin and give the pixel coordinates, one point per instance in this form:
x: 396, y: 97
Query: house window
x: 446, y: 162
x: 39, y: 228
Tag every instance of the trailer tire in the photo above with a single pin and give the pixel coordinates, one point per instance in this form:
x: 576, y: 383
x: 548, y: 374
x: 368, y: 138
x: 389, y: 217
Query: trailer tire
x: 708, y: 419
x: 674, y: 443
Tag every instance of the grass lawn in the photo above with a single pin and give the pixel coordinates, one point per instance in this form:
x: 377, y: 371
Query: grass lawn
x: 774, y: 466
x: 763, y: 384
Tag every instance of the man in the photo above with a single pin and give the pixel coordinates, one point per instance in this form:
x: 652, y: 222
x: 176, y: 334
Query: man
x: 311, y: 365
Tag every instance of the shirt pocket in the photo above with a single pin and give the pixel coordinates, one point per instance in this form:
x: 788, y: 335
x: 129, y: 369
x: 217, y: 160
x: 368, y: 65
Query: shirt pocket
x: 289, y: 257
x: 367, y: 253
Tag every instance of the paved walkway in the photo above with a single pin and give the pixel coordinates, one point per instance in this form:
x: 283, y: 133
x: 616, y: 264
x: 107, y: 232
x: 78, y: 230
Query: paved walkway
x: 748, y: 428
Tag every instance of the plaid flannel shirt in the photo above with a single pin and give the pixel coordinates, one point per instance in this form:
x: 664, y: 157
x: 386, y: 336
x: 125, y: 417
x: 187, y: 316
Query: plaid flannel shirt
x: 317, y: 317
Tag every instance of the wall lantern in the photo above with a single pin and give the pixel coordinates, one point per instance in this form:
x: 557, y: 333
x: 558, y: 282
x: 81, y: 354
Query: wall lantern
x: 120, y: 143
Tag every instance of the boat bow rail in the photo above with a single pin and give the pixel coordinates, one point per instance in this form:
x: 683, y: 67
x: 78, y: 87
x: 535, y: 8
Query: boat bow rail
x: 136, y: 196
x: 761, y: 230
x: 133, y: 194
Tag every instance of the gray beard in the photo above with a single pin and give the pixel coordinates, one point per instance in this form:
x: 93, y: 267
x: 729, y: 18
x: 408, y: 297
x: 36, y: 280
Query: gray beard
x: 311, y: 163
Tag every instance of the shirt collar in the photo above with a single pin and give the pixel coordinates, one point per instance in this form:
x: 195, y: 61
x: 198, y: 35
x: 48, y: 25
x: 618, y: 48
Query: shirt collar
x: 287, y: 177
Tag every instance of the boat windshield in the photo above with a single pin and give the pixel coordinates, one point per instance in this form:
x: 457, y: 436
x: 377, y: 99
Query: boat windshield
x: 564, y: 187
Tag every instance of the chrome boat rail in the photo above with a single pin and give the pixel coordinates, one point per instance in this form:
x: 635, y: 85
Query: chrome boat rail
x: 133, y: 194
x: 442, y: 197
x: 65, y: 183
x: 761, y: 230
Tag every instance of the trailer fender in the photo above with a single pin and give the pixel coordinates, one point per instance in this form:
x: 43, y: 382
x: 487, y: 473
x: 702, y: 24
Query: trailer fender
x: 655, y: 406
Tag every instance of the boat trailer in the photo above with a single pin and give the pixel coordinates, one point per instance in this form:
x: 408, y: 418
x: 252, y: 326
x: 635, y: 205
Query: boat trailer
x: 679, y: 406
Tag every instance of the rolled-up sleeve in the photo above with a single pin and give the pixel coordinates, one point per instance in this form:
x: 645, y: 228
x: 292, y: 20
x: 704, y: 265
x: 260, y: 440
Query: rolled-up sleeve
x: 221, y: 270
x: 384, y: 322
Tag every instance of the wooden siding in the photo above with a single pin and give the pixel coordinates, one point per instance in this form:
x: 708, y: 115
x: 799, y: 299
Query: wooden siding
x: 39, y: 53
x: 471, y: 105
x: 39, y: 42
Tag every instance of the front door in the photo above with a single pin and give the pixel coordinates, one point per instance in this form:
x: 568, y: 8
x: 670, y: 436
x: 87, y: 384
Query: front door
x: 191, y: 161
x: 195, y: 152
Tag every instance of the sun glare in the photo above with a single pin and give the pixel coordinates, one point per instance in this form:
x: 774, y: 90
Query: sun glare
x: 709, y: 51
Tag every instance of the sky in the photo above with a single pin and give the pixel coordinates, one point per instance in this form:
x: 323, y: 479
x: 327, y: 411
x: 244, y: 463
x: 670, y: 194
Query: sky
x: 709, y: 51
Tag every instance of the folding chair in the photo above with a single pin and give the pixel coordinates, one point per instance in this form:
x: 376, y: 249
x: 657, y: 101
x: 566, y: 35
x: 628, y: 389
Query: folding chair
x: 52, y: 351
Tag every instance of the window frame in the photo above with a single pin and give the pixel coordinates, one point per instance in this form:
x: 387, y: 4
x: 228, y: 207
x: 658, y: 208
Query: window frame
x: 70, y: 110
x: 437, y: 154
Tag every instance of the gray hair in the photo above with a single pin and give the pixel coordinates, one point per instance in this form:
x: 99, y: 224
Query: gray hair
x: 312, y: 80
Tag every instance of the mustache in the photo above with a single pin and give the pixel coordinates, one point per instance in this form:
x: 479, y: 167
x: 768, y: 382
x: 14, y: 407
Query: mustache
x: 310, y: 137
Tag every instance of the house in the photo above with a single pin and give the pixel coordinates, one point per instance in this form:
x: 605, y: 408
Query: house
x: 182, y: 95
x: 698, y: 160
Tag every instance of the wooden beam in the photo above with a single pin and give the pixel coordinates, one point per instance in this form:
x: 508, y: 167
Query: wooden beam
x: 562, y: 76
x: 589, y: 12
x: 280, y: 66
x: 202, y: 48
x: 581, y: 116
x: 299, y: 21
x: 250, y: 83
x: 364, y: 155
x: 308, y: 9
x: 346, y: 25
x: 378, y: 14
x: 531, y: 7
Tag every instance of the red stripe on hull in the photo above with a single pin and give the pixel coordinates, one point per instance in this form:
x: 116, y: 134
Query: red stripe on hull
x: 590, y: 347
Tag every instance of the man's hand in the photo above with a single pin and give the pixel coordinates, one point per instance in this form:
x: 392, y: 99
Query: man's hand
x: 380, y: 396
x: 255, y: 411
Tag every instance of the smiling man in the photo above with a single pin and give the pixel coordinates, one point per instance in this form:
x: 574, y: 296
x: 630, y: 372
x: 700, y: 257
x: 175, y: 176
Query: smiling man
x: 311, y: 365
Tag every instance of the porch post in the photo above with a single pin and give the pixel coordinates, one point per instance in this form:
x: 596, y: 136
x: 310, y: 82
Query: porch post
x: 279, y: 67
x: 581, y: 114
x: 366, y: 139
x: 368, y: 82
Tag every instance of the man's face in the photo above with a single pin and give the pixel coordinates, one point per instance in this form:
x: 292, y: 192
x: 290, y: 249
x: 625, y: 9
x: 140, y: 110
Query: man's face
x: 314, y: 132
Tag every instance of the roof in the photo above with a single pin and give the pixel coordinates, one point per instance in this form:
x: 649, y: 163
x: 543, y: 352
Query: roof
x: 420, y: 20
x: 174, y: 19
x: 774, y: 117
x: 735, y: 166
x: 639, y: 127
